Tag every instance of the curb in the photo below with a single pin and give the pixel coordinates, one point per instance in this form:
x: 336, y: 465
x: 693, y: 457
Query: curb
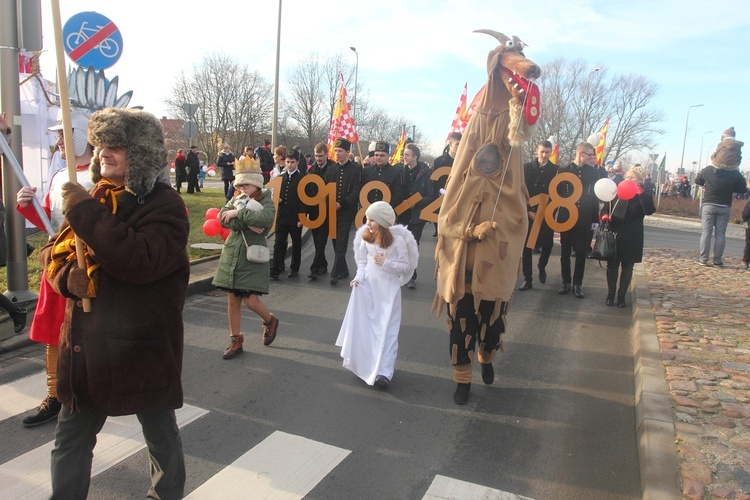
x: 654, y: 424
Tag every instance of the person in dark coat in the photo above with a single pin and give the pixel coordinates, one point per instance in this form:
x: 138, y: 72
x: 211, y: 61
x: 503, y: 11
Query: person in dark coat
x: 320, y: 168
x: 746, y: 221
x: 384, y: 172
x: 180, y: 169
x: 578, y: 237
x: 626, y: 220
x: 193, y: 165
x: 287, y: 218
x: 537, y: 175
x: 445, y: 160
x: 124, y: 356
x: 265, y: 157
x: 225, y: 162
x: 347, y: 176
x: 415, y: 177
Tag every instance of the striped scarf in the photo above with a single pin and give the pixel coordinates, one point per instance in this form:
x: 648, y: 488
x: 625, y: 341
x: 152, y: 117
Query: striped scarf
x: 64, y: 248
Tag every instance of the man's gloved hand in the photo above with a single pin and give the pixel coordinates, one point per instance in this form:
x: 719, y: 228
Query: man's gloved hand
x: 73, y: 194
x: 78, y: 283
x: 484, y: 230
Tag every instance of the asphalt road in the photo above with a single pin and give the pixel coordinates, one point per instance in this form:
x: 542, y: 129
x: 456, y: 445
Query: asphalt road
x: 557, y: 424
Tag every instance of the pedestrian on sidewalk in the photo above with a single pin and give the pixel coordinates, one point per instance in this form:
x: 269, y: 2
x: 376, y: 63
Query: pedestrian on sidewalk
x: 124, y: 356
x: 720, y: 181
x: 249, y: 215
x: 626, y: 220
x: 746, y: 220
x: 386, y: 255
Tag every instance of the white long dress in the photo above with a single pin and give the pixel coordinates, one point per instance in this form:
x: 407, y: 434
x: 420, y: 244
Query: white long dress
x: 369, y: 333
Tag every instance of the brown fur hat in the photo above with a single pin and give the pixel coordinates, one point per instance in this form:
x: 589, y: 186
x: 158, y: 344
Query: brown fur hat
x: 140, y: 134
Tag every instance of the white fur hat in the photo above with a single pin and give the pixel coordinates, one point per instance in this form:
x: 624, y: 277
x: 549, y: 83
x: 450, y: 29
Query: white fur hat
x: 382, y: 213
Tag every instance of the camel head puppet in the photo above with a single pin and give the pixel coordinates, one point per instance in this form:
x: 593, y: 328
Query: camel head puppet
x: 483, y: 222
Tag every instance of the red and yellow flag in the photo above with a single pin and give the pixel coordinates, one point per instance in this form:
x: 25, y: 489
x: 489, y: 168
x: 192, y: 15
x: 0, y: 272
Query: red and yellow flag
x: 463, y: 114
x: 599, y: 149
x: 460, y: 111
x: 342, y: 123
x: 399, y: 152
x: 555, y: 152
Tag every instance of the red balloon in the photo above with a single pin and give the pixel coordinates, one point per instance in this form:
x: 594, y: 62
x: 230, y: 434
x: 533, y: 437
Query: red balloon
x: 605, y: 217
x: 212, y: 227
x: 212, y: 213
x: 627, y: 189
x: 224, y: 233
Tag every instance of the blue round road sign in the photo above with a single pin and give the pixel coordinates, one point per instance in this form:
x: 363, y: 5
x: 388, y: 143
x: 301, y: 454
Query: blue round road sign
x: 91, y: 39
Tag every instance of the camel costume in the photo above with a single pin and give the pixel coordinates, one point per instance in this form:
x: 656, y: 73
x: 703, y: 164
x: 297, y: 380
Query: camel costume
x: 481, y: 235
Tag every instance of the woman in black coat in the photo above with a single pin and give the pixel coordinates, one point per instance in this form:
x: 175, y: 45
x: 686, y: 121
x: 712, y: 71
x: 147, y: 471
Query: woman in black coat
x: 626, y: 220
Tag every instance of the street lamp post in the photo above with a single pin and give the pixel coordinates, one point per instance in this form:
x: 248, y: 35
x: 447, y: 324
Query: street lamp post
x: 586, y: 103
x: 276, y: 82
x: 700, y: 156
x: 684, y: 137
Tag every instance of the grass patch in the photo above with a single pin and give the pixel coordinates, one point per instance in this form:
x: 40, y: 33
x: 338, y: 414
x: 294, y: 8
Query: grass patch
x: 196, y: 203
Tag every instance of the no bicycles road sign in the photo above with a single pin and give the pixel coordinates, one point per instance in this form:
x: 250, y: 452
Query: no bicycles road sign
x: 91, y: 39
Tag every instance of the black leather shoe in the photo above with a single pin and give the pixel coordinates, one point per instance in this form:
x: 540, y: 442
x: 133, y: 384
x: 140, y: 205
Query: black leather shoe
x: 610, y: 300
x: 526, y: 286
x: 19, y: 319
x: 542, y: 276
x: 488, y: 373
x: 577, y: 291
x: 620, y: 301
x: 274, y: 276
x: 46, y: 412
x: 293, y: 274
x: 461, y: 396
x: 564, y: 289
x: 382, y: 381
x: 334, y: 281
x: 313, y: 275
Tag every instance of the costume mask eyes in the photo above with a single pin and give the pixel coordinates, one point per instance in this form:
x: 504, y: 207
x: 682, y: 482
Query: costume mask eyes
x: 487, y: 160
x: 510, y: 44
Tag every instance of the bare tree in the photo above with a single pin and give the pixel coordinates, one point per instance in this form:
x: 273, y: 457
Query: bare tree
x: 234, y: 103
x: 625, y: 100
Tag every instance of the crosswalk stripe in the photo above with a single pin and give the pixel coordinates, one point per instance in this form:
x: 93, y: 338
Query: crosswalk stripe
x: 282, y: 466
x: 446, y: 488
x: 22, y: 395
x: 28, y: 476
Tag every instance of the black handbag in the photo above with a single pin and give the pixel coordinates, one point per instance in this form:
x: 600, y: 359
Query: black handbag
x: 605, y: 244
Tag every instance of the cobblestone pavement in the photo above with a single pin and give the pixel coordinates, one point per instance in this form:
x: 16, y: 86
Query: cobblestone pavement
x: 702, y: 327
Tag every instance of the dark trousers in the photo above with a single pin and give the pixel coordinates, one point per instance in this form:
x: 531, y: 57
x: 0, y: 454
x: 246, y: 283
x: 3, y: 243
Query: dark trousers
x: 178, y: 182
x: 75, y: 438
x: 746, y: 256
x: 320, y: 240
x: 228, y: 189
x: 283, y: 231
x: 340, y: 245
x: 416, y: 231
x: 192, y: 183
x: 545, y: 241
x: 466, y: 326
x: 626, y: 275
x: 578, y: 239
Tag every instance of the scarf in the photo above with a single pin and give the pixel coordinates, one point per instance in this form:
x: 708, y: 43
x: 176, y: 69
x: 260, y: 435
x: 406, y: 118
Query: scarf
x: 64, y: 248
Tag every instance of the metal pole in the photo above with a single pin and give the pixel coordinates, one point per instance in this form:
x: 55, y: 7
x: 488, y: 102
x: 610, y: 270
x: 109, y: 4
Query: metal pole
x: 684, y: 137
x: 276, y: 82
x: 10, y: 103
x: 586, y: 103
x: 700, y: 156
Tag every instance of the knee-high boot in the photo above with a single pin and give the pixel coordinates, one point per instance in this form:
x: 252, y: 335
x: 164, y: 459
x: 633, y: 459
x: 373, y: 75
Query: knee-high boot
x: 625, y: 278
x: 611, y: 284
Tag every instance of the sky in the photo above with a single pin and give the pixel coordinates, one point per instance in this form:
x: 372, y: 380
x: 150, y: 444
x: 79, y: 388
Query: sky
x: 415, y: 56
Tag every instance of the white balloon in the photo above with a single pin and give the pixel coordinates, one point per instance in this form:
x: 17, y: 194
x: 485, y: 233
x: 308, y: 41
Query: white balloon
x: 211, y: 173
x: 171, y: 169
x: 594, y: 139
x: 605, y: 189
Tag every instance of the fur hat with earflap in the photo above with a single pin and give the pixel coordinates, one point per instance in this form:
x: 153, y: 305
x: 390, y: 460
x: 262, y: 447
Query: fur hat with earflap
x: 137, y: 132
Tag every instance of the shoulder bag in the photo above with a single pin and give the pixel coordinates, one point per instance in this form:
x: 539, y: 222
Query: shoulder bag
x: 257, y: 254
x: 605, y: 244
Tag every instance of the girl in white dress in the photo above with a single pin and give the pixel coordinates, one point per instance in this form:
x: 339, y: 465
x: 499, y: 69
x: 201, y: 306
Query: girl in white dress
x: 386, y: 257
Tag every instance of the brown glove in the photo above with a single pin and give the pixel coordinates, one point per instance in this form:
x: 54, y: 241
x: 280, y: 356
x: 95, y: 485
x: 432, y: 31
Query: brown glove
x: 73, y: 194
x: 78, y: 283
x: 484, y: 230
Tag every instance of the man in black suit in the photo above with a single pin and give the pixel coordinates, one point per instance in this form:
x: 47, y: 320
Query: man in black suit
x: 538, y: 174
x: 348, y: 178
x: 578, y: 238
x: 320, y: 168
x: 287, y: 218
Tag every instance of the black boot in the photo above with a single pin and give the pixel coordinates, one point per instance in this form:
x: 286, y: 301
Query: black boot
x: 19, y: 319
x: 47, y: 411
x: 461, y: 396
x: 611, y: 285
